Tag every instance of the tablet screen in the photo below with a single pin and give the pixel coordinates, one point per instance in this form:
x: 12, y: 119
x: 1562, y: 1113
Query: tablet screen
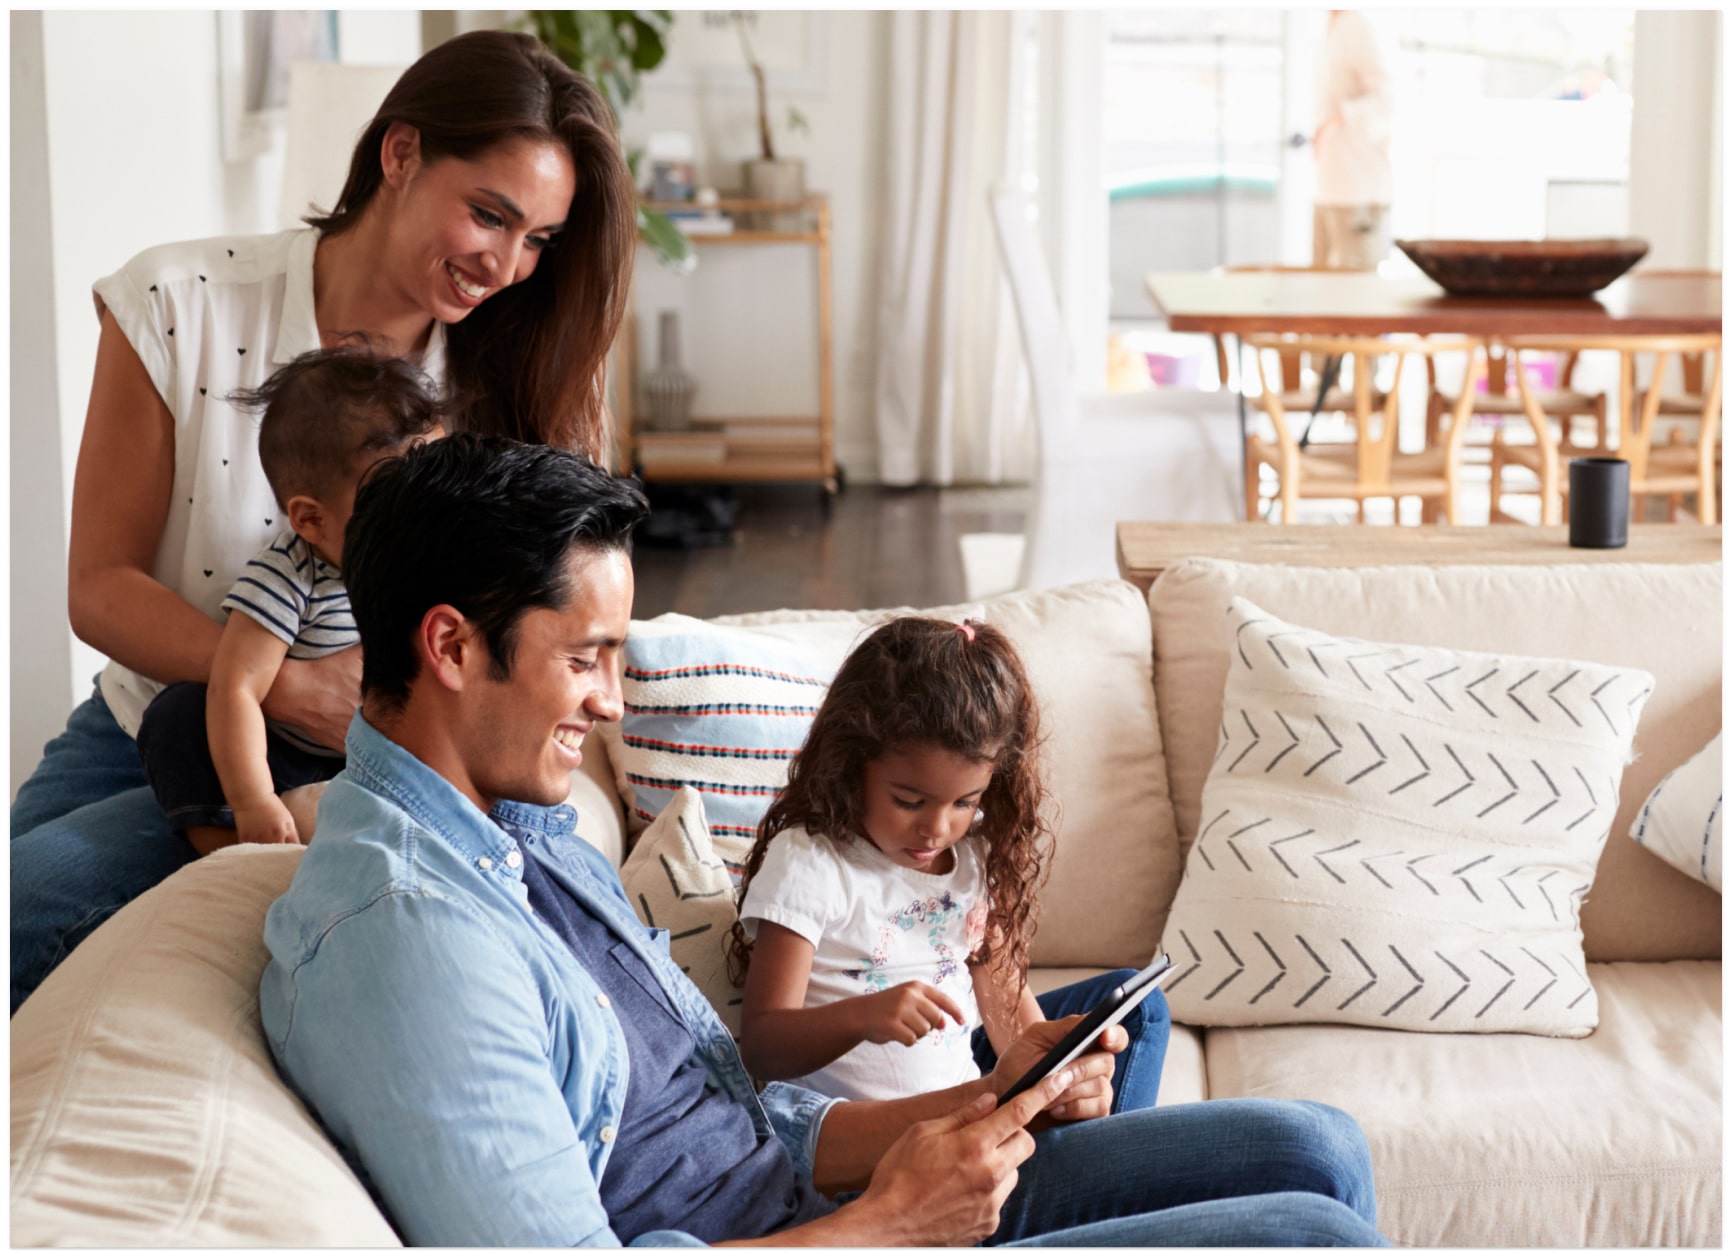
x: 1110, y: 1012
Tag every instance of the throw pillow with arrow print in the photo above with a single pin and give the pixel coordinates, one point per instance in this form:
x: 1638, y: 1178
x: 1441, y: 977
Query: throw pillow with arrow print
x: 1398, y: 836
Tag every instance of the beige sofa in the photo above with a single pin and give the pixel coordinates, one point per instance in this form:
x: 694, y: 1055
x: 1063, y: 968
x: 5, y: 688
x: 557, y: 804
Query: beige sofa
x: 145, y: 1109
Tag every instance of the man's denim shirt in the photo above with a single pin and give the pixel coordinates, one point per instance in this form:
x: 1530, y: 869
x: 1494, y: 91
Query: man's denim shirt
x: 446, y: 1037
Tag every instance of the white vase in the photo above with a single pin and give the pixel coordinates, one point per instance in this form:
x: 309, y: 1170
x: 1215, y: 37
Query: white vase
x: 669, y: 388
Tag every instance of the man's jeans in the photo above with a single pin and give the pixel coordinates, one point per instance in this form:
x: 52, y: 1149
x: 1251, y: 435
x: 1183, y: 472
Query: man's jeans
x: 1242, y: 1172
x: 88, y: 837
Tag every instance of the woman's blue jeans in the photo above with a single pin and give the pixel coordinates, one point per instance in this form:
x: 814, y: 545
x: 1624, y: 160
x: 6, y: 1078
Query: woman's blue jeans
x: 1137, y: 1070
x: 1245, y: 1172
x: 88, y: 837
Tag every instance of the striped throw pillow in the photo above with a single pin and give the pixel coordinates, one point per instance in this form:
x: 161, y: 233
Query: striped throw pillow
x: 719, y: 710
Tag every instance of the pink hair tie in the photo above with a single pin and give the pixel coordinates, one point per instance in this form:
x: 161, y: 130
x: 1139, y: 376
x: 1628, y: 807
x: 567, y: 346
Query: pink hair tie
x: 967, y: 630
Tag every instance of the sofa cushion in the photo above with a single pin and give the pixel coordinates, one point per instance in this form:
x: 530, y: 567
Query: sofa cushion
x: 1516, y: 1140
x: 676, y: 882
x: 1398, y: 836
x: 595, y: 797
x: 1681, y: 820
x: 1662, y: 618
x: 720, y: 710
x: 1087, y: 651
x: 146, y: 1109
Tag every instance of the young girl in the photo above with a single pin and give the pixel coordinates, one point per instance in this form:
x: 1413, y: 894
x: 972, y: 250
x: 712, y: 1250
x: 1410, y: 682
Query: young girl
x: 887, y: 907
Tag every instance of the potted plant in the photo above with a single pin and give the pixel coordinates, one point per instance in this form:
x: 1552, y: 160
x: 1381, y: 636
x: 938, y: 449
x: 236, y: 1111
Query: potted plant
x: 614, y: 48
x: 768, y: 177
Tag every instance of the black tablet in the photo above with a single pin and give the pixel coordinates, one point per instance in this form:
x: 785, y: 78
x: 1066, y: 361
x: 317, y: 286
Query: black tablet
x: 1110, y: 1012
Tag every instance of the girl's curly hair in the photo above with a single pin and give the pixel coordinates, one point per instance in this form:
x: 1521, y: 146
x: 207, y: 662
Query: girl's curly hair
x: 919, y: 682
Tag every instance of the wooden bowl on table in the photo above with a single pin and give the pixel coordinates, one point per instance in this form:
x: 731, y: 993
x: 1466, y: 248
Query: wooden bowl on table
x: 1523, y: 268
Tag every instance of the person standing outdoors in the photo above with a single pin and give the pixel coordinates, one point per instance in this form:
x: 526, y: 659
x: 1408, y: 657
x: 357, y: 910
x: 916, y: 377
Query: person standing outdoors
x: 1355, y: 105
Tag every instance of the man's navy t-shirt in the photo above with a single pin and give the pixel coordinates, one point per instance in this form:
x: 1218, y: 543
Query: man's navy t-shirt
x: 686, y: 1156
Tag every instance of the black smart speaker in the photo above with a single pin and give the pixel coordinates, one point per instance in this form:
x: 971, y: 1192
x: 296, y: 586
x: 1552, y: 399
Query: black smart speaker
x: 1599, y: 503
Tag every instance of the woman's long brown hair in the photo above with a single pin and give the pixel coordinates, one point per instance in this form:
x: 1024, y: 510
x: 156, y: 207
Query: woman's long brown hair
x: 528, y: 362
x: 917, y: 682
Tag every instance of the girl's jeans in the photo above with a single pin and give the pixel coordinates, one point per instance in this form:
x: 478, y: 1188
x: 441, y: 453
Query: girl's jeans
x: 1137, y: 1072
x: 88, y: 837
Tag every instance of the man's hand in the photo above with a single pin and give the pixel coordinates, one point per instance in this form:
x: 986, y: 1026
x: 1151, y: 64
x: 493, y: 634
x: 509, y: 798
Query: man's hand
x: 1091, y: 1095
x: 264, y: 820
x: 903, y: 1014
x: 318, y: 697
x: 944, y: 1181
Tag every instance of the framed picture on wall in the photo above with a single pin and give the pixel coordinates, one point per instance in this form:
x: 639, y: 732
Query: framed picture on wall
x: 255, y: 49
x: 704, y: 49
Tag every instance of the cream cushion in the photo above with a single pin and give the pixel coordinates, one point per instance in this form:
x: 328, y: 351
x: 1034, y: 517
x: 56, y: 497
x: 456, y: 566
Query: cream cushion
x: 1398, y: 836
x: 1517, y: 1140
x: 1683, y: 819
x: 677, y: 882
x: 1087, y: 651
x: 600, y: 815
x: 146, y: 1110
x: 1663, y: 619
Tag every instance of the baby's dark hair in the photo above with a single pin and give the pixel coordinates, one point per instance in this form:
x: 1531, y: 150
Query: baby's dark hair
x: 331, y: 413
x: 918, y: 682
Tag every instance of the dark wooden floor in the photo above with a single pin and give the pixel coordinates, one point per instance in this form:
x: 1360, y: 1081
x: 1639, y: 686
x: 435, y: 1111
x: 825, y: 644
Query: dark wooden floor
x: 872, y: 547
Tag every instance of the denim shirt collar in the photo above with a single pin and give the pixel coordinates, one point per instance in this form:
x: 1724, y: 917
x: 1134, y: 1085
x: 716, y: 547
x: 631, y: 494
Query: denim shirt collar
x: 483, y: 840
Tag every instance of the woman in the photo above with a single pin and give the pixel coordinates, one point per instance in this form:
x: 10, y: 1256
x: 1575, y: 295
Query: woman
x: 487, y: 228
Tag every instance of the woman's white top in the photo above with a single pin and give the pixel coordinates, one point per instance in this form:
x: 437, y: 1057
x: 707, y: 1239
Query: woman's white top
x: 1354, y: 82
x: 207, y: 317
x: 874, y: 924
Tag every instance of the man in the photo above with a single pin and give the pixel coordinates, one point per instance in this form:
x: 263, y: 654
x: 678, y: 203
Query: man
x: 459, y: 990
x: 1355, y: 103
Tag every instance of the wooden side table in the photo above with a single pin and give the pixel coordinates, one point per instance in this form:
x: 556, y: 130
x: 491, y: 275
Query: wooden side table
x: 1146, y: 549
x: 742, y: 448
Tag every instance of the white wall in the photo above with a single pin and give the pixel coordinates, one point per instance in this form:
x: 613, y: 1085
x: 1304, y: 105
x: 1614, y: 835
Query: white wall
x: 116, y: 147
x: 41, y: 641
x: 1675, y: 158
x: 747, y: 325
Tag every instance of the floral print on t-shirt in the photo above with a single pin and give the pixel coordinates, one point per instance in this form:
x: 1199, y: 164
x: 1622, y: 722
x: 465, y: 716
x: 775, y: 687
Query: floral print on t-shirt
x: 934, y: 913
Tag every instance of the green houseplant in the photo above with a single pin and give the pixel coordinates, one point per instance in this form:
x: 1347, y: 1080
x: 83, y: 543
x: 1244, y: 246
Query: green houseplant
x: 768, y: 177
x: 614, y: 48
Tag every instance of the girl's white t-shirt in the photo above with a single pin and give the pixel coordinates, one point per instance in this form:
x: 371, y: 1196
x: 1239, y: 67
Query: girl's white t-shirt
x: 874, y: 924
x: 207, y: 317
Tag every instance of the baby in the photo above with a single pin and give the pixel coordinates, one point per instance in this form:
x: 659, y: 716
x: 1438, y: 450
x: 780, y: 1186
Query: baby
x: 217, y: 765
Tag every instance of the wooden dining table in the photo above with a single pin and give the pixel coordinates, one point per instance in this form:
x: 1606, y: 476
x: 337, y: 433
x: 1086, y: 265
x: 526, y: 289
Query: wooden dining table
x: 1241, y: 303
x: 1361, y: 303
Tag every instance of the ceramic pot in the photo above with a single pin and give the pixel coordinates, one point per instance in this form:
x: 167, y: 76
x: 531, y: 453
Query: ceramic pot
x: 781, y: 180
x: 669, y: 388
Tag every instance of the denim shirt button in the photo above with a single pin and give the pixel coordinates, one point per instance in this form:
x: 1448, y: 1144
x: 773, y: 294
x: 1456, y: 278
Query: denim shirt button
x: 607, y: 1135
x: 602, y: 1000
x: 484, y: 862
x: 514, y: 859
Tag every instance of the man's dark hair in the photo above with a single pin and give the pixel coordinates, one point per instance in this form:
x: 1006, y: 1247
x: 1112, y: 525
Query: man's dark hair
x: 330, y: 413
x: 485, y: 524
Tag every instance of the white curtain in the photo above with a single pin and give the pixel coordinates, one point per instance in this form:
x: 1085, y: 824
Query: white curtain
x: 951, y: 396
